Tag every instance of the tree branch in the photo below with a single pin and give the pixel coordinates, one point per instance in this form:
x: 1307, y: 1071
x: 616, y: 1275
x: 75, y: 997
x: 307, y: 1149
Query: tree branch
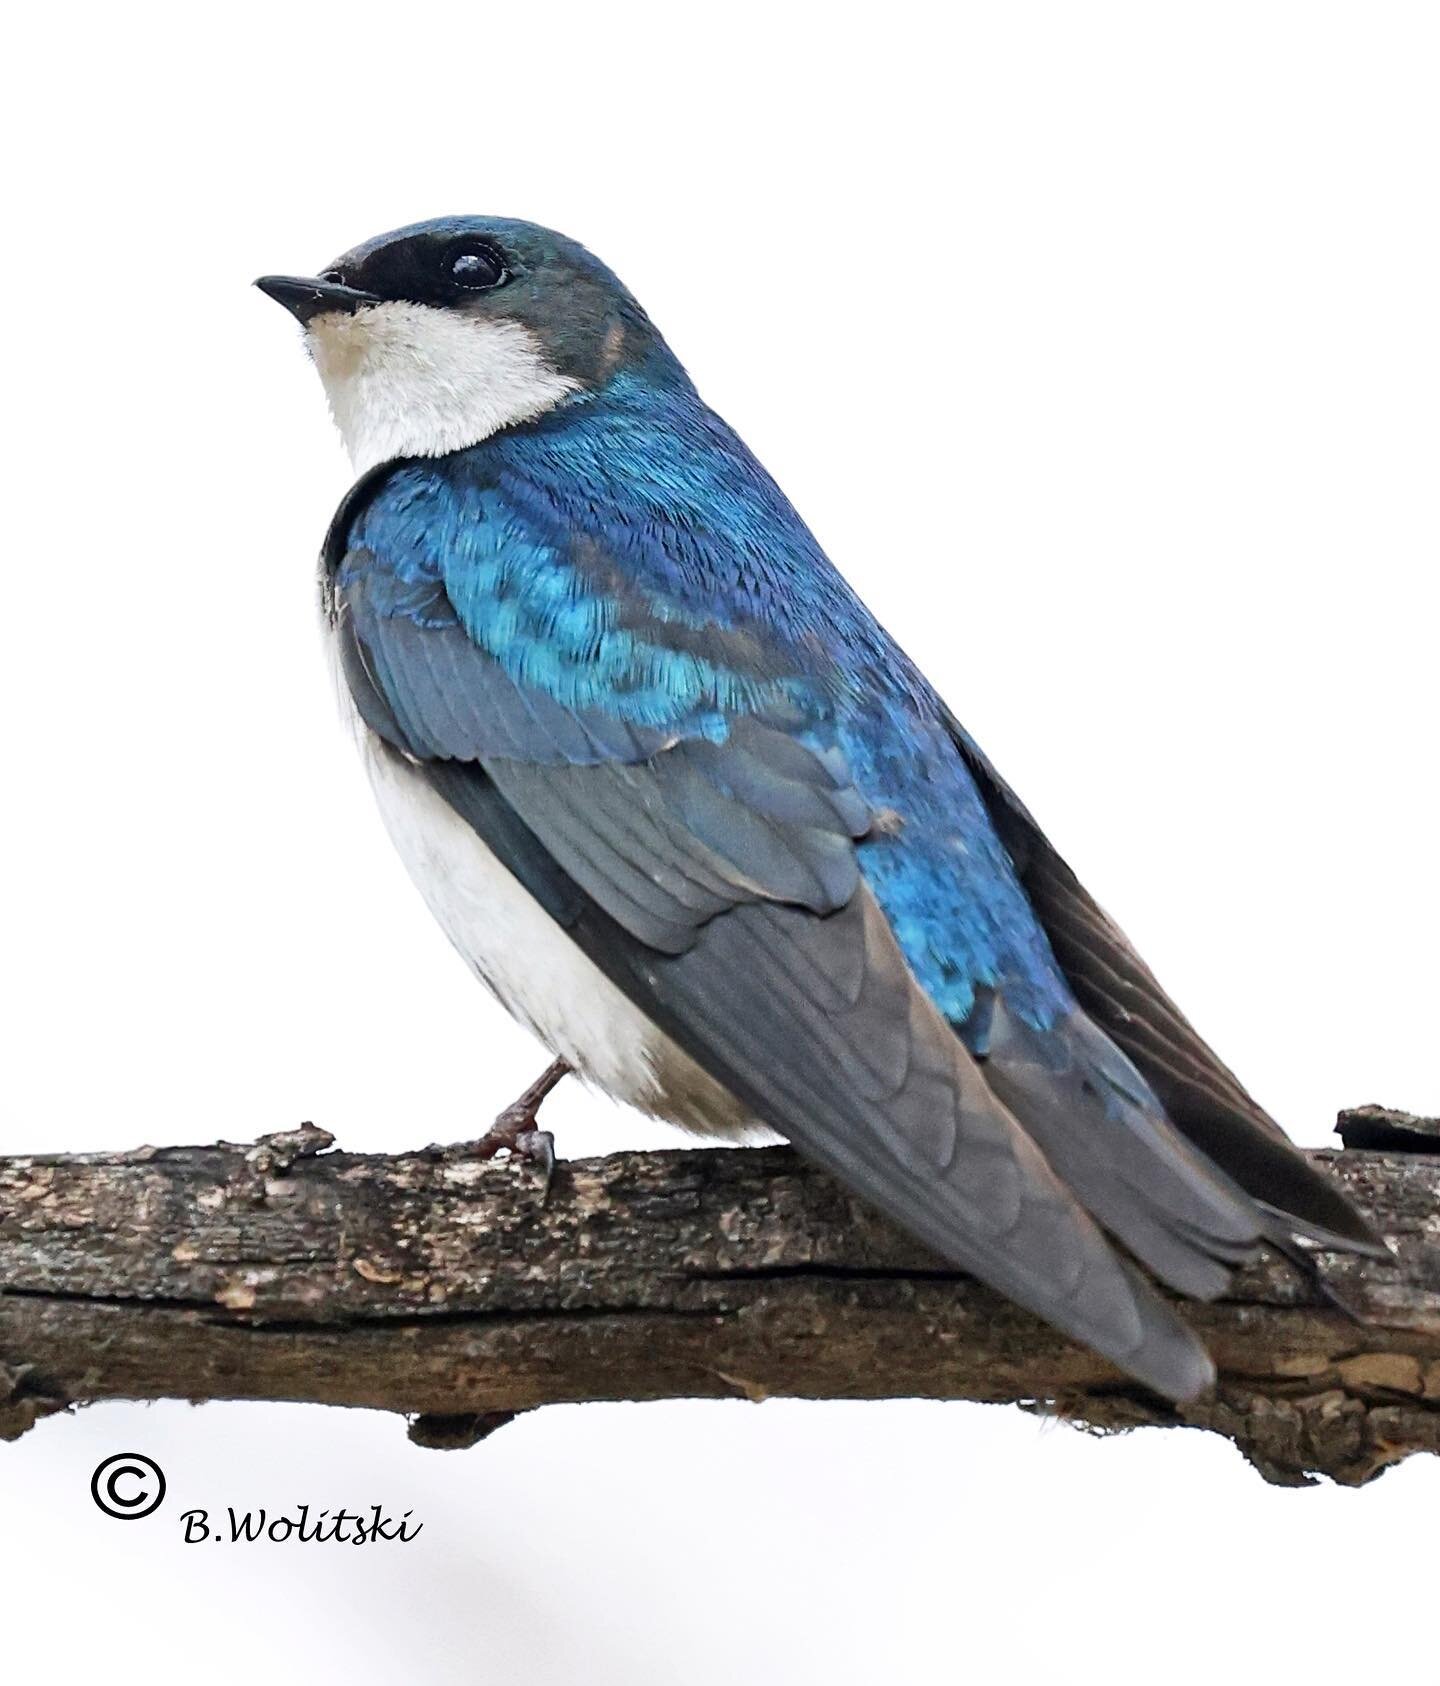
x: 434, y: 1284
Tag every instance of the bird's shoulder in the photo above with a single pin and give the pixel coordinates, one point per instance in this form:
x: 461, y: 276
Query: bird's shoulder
x: 617, y: 560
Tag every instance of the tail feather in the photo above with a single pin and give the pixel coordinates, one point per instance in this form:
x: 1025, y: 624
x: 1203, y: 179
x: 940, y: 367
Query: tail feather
x: 1119, y: 994
x: 1108, y: 1139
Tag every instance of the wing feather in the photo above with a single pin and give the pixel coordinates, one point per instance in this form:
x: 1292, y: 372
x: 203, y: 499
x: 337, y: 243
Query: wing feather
x: 814, y: 1019
x: 1201, y: 1097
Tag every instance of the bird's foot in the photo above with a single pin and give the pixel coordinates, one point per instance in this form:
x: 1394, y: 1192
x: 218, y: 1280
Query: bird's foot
x: 517, y: 1132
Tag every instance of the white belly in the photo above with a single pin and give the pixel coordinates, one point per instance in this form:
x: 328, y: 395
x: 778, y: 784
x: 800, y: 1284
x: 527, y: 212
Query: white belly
x: 529, y: 963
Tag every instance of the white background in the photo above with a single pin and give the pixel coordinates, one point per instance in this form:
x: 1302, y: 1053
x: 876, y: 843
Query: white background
x: 1099, y: 345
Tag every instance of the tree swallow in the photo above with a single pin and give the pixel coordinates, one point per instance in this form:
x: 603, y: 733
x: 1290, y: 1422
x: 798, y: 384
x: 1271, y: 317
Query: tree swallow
x: 696, y: 820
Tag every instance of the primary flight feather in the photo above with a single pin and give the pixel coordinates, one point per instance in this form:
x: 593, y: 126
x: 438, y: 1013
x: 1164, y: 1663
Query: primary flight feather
x: 695, y: 818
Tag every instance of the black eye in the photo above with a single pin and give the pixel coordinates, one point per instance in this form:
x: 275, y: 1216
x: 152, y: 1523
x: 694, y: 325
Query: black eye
x: 475, y: 268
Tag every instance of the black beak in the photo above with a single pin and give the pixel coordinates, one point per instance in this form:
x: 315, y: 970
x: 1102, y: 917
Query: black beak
x: 305, y: 296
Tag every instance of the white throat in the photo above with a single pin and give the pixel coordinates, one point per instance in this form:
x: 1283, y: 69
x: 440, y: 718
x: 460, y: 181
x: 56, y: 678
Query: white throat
x: 408, y: 380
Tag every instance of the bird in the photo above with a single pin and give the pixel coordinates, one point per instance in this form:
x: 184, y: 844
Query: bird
x: 695, y: 819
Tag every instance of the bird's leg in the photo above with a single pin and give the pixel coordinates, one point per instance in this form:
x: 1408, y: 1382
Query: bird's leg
x: 516, y: 1128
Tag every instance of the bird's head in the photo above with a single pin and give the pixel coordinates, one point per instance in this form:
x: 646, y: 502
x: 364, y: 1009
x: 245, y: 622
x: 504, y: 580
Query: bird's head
x: 435, y: 336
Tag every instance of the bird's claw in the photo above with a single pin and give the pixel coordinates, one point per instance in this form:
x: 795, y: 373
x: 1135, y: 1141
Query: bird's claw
x: 538, y: 1146
x: 515, y: 1132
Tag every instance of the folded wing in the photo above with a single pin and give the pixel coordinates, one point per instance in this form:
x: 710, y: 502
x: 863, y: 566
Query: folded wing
x: 674, y: 790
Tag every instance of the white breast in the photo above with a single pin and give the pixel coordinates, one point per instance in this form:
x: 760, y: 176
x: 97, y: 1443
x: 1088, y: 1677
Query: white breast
x: 532, y: 967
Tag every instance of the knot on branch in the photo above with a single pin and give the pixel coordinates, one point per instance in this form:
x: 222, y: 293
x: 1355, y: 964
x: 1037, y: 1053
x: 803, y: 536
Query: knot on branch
x: 21, y: 1404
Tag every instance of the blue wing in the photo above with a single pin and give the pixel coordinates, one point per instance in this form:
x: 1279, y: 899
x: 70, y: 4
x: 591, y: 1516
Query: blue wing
x: 524, y: 621
x: 618, y: 653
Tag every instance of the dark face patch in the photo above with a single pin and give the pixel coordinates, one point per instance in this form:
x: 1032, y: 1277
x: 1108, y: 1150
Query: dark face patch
x: 588, y: 324
x: 427, y: 269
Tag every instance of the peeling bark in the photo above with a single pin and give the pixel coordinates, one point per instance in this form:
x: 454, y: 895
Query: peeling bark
x: 438, y: 1285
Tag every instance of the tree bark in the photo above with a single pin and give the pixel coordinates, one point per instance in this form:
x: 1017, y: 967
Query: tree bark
x: 449, y: 1289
